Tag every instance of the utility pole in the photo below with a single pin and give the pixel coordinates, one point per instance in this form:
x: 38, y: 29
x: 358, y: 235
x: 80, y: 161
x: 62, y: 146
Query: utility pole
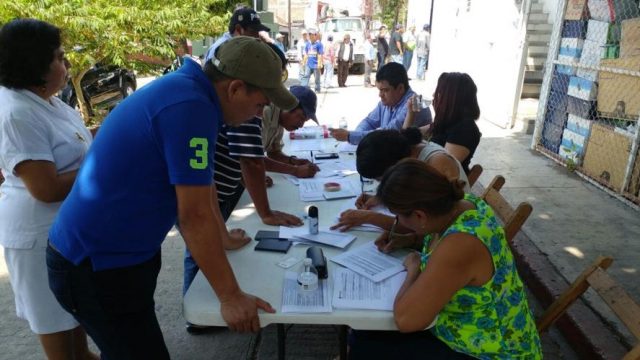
x: 289, y: 23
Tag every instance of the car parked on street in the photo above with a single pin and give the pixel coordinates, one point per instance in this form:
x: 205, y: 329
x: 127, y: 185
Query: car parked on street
x: 103, y: 87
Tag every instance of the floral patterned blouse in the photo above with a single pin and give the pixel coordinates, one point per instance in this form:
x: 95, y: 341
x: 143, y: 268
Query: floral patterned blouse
x: 492, y: 321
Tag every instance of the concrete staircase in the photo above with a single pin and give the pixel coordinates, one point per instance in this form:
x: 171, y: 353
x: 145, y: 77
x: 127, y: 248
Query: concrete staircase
x: 538, y: 35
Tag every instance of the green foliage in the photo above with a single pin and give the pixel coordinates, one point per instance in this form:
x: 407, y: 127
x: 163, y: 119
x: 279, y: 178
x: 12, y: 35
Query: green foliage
x: 135, y: 34
x: 119, y: 31
x: 393, y: 11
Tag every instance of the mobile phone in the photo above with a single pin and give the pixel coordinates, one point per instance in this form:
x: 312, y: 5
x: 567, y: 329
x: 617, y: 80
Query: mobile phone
x: 275, y: 245
x: 268, y: 234
x: 326, y: 156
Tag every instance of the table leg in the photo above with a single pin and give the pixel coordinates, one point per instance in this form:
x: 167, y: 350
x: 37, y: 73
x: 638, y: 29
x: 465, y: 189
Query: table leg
x: 343, y: 331
x: 281, y: 341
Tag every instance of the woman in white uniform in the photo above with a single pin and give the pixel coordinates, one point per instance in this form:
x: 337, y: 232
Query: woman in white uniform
x: 42, y: 144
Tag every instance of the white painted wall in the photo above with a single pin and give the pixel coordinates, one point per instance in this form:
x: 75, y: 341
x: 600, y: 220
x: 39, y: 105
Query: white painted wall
x: 484, y: 41
x: 551, y: 7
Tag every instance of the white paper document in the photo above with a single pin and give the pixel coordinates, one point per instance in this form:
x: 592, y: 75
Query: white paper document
x: 366, y: 227
x: 313, y: 189
x: 291, y: 232
x: 354, y: 291
x: 295, y: 300
x: 305, y: 145
x: 366, y: 260
x: 344, y: 146
x: 332, y: 238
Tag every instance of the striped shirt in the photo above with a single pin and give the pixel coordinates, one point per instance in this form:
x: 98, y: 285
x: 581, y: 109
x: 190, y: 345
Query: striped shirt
x: 232, y: 144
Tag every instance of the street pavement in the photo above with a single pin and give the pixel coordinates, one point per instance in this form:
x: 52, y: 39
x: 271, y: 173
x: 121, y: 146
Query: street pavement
x: 572, y: 222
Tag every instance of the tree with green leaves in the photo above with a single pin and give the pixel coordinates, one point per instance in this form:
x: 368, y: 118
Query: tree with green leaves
x: 126, y: 33
x: 393, y: 12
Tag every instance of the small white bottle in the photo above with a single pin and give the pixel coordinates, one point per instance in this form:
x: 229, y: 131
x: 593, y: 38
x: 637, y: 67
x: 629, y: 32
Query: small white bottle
x: 308, y: 276
x: 342, y: 124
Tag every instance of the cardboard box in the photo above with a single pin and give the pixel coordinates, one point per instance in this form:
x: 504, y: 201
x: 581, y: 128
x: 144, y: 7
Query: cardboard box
x: 601, y: 10
x: 597, y: 31
x: 573, y: 140
x: 579, y: 125
x: 581, y: 108
x: 576, y: 10
x: 574, y: 29
x: 630, y: 38
x: 582, y: 88
x: 634, y: 184
x: 606, y: 156
x: 619, y: 94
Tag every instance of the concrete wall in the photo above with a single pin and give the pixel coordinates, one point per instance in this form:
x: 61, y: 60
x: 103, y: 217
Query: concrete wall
x: 484, y: 39
x: 551, y: 7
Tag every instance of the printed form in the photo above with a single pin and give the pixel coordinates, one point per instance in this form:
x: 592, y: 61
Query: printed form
x: 354, y: 291
x: 367, y: 261
x: 295, y: 300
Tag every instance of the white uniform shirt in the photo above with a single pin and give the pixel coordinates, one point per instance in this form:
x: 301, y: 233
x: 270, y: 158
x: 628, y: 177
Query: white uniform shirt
x: 31, y: 128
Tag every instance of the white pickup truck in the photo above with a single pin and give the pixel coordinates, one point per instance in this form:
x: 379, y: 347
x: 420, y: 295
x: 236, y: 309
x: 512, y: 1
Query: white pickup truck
x: 338, y: 27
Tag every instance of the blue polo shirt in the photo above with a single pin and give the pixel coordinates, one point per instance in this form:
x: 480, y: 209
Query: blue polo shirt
x: 123, y: 201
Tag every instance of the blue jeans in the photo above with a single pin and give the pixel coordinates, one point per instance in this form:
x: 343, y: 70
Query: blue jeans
x: 407, y: 57
x: 114, y: 306
x: 422, y: 66
x: 190, y: 266
x: 307, y: 76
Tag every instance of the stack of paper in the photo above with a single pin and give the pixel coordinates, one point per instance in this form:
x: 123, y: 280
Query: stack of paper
x: 354, y: 291
x: 367, y: 261
x: 332, y: 238
x: 295, y: 300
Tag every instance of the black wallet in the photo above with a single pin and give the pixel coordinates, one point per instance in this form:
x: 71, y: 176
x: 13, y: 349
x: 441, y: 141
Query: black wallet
x: 273, y: 245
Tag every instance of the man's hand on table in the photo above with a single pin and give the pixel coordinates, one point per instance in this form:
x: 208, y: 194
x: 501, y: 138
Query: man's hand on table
x: 340, y: 134
x: 366, y: 201
x: 237, y: 239
x: 306, y: 171
x: 240, y: 311
x: 351, y: 218
x: 281, y: 218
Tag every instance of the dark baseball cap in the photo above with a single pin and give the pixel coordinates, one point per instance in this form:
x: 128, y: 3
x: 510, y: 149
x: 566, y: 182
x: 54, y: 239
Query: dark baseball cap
x: 247, y: 18
x: 307, y: 99
x: 254, y: 62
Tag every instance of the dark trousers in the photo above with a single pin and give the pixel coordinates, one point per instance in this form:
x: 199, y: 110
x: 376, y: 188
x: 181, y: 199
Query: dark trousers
x: 368, y: 66
x: 343, y: 72
x: 368, y: 345
x: 115, y: 306
x: 381, y: 60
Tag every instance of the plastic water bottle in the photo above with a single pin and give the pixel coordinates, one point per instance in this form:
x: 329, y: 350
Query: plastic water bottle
x: 308, y: 276
x: 342, y: 124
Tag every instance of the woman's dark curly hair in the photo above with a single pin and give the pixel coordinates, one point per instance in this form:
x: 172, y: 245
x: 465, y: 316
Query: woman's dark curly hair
x: 27, y: 48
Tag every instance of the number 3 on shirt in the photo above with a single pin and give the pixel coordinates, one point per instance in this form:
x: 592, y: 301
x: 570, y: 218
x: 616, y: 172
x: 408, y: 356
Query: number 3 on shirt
x: 201, y: 146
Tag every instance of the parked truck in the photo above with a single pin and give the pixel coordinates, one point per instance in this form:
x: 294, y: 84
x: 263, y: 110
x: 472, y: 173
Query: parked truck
x: 338, y: 27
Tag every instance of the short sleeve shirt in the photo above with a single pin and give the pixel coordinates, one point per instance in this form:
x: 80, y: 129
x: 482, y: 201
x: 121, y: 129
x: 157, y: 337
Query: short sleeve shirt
x: 32, y: 128
x: 124, y: 202
x: 393, y: 47
x: 464, y: 133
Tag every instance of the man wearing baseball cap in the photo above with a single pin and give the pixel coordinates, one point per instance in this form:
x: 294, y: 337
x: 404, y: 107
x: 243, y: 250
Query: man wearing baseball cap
x: 150, y: 167
x: 275, y: 121
x: 246, y: 22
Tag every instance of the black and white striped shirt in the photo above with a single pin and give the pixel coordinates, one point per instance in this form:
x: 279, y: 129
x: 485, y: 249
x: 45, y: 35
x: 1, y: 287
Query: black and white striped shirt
x: 232, y: 144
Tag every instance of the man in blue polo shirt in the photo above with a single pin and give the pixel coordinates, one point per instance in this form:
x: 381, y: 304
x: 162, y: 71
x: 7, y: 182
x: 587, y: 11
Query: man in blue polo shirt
x: 394, y: 92
x: 151, y: 166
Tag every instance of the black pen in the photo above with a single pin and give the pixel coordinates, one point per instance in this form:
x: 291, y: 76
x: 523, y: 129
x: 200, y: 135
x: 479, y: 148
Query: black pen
x: 311, y: 151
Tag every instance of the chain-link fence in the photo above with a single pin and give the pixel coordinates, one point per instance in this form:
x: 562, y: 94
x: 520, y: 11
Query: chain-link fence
x: 590, y: 101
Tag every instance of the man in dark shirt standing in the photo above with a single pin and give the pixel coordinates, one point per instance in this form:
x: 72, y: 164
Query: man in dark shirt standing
x: 395, y: 44
x: 383, y: 46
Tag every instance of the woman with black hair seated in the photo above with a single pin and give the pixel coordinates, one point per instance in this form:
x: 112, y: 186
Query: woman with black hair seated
x: 454, y: 127
x: 382, y: 149
x: 462, y: 280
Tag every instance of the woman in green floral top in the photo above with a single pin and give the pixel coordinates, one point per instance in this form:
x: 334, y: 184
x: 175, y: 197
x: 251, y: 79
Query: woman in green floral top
x: 464, y: 278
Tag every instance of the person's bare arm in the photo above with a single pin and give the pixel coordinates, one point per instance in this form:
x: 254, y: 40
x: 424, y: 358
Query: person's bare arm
x: 235, y: 238
x: 200, y: 226
x: 458, y: 151
x: 253, y: 174
x: 351, y: 218
x: 304, y: 170
x: 43, y: 182
x: 459, y: 260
